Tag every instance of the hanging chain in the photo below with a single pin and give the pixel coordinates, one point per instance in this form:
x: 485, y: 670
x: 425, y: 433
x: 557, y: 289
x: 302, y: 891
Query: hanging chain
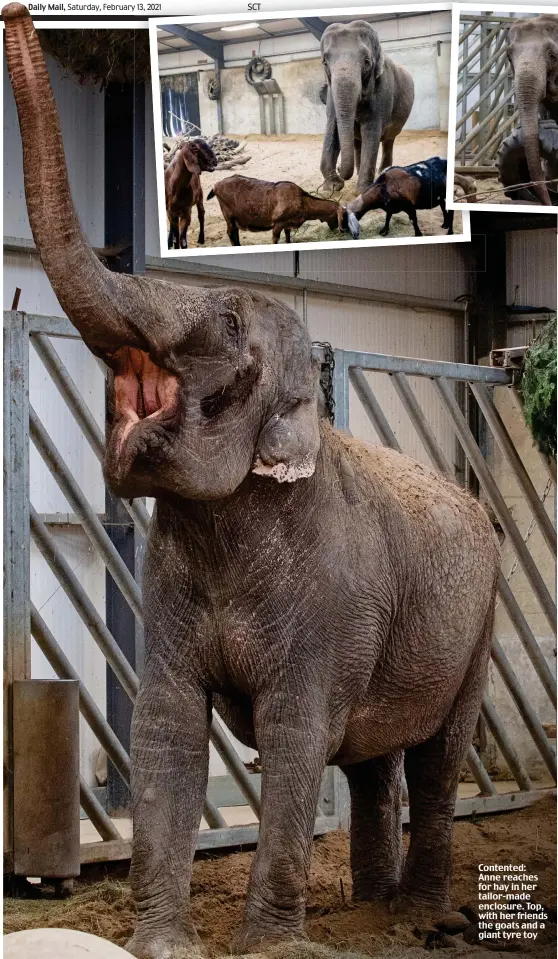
x: 326, y: 378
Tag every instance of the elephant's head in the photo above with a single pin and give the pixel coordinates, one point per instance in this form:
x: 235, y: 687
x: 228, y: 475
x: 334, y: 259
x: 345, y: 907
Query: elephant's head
x: 533, y: 54
x: 353, y: 62
x: 208, y: 384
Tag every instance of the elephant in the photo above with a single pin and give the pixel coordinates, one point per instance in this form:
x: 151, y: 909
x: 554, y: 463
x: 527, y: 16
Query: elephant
x: 533, y: 55
x: 369, y: 99
x: 332, y: 601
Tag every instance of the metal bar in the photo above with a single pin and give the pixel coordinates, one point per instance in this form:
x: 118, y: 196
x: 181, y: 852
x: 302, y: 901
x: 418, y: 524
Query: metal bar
x: 95, y: 812
x: 489, y: 63
x: 497, y: 136
x: 125, y: 582
x: 314, y: 25
x: 524, y: 708
x: 479, y: 773
x: 212, y: 815
x: 480, y: 127
x: 17, y: 643
x: 87, y: 705
x: 340, y: 391
x: 483, y: 43
x: 81, y: 602
x: 373, y: 409
x: 212, y: 48
x: 498, y: 81
x: 496, y: 727
x: 463, y: 372
x: 530, y: 645
x: 502, y: 437
x: 467, y: 33
x: 234, y: 764
x: 421, y: 424
x: 82, y: 415
x: 496, y: 499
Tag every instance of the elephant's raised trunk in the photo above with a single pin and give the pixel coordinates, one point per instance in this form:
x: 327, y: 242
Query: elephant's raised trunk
x: 530, y: 86
x: 345, y: 91
x: 97, y: 302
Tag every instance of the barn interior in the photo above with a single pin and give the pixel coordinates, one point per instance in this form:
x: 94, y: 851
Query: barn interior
x: 422, y: 314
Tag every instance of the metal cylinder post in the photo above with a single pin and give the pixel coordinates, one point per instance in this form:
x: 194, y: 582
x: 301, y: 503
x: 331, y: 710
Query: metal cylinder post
x: 46, y: 778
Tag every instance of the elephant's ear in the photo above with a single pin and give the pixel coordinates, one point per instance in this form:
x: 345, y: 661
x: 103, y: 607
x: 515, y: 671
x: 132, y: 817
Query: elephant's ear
x: 380, y: 64
x: 288, y: 444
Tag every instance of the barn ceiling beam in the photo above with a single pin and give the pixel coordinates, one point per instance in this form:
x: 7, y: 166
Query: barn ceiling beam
x: 212, y: 48
x: 314, y: 25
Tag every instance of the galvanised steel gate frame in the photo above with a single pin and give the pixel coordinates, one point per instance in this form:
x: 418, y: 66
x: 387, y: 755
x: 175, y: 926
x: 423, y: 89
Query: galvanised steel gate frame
x: 486, y: 110
x: 349, y: 369
x: 22, y: 620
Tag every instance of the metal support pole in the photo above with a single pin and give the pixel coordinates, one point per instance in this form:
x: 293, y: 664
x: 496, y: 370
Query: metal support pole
x: 340, y: 391
x: 525, y: 709
x: 236, y: 767
x: 502, y: 437
x: 496, y: 499
x: 95, y: 812
x: 373, y: 409
x: 17, y: 641
x: 496, y: 727
x: 421, y: 424
x: 50, y: 455
x: 480, y: 775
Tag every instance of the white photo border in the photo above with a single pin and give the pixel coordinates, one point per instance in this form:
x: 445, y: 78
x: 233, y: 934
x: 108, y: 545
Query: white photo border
x: 457, y: 10
x: 154, y: 22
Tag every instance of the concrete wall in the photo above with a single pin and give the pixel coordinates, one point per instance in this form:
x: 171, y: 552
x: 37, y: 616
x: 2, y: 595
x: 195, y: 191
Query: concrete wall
x: 421, y: 44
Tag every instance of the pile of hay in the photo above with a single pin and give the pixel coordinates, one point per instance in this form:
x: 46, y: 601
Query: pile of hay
x: 100, y: 56
x: 538, y: 389
x: 227, y: 150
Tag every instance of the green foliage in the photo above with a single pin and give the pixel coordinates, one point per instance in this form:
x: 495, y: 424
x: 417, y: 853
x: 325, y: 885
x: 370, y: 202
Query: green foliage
x: 538, y: 389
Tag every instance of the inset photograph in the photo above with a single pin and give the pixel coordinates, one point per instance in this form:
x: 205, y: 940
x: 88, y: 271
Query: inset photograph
x: 326, y: 128
x: 504, y: 108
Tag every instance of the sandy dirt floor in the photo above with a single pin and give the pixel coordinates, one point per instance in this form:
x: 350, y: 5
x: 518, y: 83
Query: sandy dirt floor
x: 494, y: 189
x: 219, y: 882
x: 297, y: 158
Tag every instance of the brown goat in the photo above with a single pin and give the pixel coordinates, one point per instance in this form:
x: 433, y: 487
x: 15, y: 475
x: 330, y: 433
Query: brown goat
x: 183, y: 190
x: 259, y: 205
x: 419, y: 186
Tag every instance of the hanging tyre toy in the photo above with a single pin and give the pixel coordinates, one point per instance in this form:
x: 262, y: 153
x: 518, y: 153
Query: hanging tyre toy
x: 512, y: 165
x: 214, y: 89
x: 256, y: 70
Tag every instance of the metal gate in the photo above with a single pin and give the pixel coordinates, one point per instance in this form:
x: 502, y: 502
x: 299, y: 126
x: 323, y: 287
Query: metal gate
x: 477, y: 383
x: 22, y: 619
x: 486, y: 110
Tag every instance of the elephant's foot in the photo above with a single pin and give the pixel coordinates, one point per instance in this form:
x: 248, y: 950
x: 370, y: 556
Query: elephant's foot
x: 332, y: 184
x: 419, y: 898
x: 164, y: 944
x: 369, y: 890
x: 250, y: 938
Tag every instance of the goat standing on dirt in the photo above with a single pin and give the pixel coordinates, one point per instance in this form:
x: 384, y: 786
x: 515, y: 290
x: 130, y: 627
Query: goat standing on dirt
x: 259, y: 205
x: 406, y: 189
x: 183, y: 189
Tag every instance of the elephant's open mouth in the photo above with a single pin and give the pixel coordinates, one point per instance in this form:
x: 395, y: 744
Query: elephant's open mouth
x: 144, y: 393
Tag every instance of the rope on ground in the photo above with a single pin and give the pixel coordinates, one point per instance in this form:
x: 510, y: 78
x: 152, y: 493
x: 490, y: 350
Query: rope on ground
x: 507, y: 189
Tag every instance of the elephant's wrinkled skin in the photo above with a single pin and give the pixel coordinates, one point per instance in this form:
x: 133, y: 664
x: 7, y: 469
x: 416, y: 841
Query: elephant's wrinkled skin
x: 341, y: 616
x: 533, y: 54
x: 369, y: 98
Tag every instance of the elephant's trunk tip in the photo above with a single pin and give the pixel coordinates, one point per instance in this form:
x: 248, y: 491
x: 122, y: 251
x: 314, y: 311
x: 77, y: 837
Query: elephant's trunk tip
x: 15, y: 11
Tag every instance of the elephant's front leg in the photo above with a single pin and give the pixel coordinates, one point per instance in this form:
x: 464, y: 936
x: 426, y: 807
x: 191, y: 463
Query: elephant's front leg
x: 293, y: 749
x: 370, y: 136
x: 170, y: 755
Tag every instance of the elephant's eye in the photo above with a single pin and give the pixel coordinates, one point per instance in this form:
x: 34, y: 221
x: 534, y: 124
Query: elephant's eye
x: 232, y: 322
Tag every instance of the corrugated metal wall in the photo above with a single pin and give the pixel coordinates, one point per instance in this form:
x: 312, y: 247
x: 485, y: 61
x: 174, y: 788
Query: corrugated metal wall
x: 531, y: 268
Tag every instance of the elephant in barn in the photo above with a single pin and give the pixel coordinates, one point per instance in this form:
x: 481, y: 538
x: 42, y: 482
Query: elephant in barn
x: 533, y: 55
x: 333, y: 602
x: 369, y: 99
